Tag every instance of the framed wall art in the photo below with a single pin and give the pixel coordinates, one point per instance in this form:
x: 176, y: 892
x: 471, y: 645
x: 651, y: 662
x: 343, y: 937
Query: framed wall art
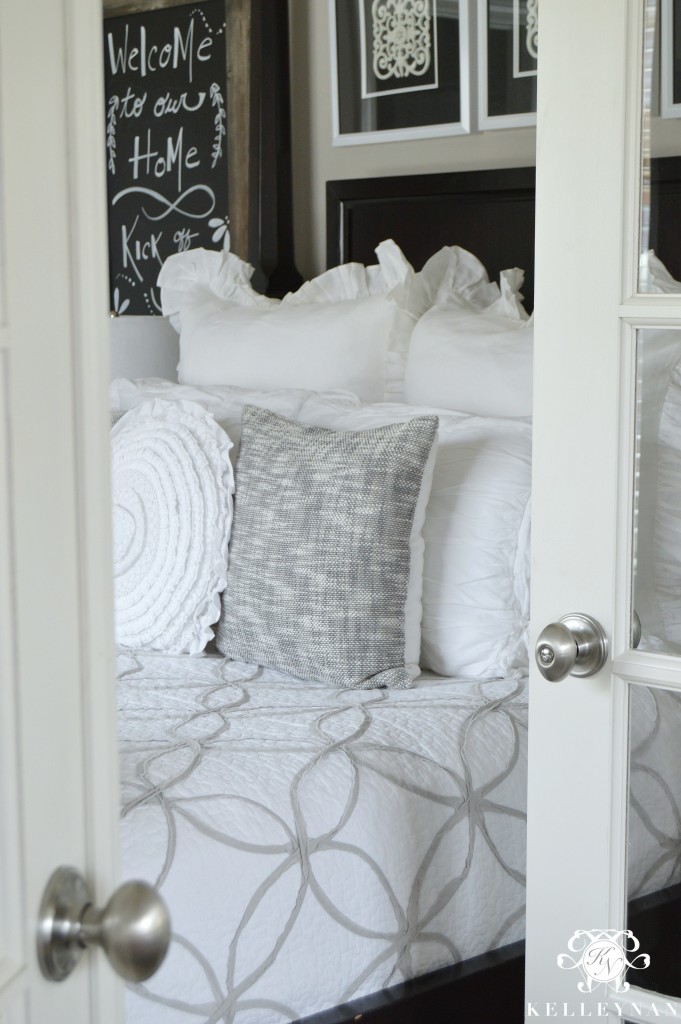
x: 508, y: 42
x: 400, y: 69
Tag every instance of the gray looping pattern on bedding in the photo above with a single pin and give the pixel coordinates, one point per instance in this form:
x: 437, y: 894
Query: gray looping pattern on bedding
x: 443, y: 765
x: 316, y: 844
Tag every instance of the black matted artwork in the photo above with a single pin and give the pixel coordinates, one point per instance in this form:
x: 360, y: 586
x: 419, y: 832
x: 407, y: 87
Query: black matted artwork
x: 398, y: 67
x: 166, y: 143
x: 509, y: 61
x: 676, y: 52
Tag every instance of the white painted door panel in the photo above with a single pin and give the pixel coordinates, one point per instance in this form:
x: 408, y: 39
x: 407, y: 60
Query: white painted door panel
x: 588, y: 197
x: 57, y: 708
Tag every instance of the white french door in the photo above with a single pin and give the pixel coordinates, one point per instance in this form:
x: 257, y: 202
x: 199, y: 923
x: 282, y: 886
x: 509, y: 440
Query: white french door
x: 588, y: 318
x: 58, y: 767
x: 57, y: 721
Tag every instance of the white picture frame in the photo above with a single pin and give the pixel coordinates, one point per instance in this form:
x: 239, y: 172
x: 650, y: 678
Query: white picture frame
x: 370, y: 134
x: 668, y: 108
x: 487, y: 121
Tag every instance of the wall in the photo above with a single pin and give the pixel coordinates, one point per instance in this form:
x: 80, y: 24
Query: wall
x: 317, y: 161
x: 143, y: 346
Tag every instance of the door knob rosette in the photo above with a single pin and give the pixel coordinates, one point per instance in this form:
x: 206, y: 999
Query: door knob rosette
x: 133, y: 928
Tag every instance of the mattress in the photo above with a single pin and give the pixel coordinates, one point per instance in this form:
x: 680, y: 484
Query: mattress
x: 313, y: 844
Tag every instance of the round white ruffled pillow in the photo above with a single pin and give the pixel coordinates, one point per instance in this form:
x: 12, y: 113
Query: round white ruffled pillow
x: 172, y: 515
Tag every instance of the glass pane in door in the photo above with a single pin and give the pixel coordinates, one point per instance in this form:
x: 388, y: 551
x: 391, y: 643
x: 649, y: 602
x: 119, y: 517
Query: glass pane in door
x: 654, y: 839
x: 657, y: 533
x: 660, y: 270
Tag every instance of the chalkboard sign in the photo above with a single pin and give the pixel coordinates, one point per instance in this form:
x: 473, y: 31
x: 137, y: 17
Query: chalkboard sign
x: 166, y: 143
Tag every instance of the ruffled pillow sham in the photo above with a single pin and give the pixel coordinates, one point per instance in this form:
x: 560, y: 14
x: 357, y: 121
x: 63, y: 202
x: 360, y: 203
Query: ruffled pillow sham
x: 172, y: 484
x: 472, y: 350
x: 473, y: 362
x: 348, y: 329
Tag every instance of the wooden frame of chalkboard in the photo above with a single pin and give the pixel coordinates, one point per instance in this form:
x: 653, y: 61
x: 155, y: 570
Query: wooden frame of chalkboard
x: 241, y: 131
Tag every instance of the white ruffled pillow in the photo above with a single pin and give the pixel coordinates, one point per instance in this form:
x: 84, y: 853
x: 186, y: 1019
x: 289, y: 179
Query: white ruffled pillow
x: 172, y: 486
x: 348, y: 329
x: 476, y: 568
x: 472, y: 351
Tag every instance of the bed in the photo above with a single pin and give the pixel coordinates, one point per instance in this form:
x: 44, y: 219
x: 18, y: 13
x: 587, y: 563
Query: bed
x: 334, y: 854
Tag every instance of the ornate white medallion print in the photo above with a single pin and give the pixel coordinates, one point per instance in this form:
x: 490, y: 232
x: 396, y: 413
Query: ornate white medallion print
x: 532, y: 28
x: 525, y: 38
x: 402, y: 38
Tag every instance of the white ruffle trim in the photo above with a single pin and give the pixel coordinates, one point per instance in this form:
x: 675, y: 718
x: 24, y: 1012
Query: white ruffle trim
x: 510, y: 302
x: 452, y: 275
x: 172, y: 501
x: 347, y: 282
x: 229, y: 278
x: 186, y: 275
x: 455, y: 276
x: 391, y: 278
x: 453, y: 272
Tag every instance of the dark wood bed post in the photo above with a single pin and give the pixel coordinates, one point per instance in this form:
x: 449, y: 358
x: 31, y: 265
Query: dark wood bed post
x: 270, y: 248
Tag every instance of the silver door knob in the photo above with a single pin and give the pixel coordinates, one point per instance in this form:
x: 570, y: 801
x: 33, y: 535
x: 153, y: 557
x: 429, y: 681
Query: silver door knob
x: 575, y: 645
x: 133, y: 929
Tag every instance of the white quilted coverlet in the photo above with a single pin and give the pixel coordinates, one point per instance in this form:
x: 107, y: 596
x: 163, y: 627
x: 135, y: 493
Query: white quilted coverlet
x: 315, y: 844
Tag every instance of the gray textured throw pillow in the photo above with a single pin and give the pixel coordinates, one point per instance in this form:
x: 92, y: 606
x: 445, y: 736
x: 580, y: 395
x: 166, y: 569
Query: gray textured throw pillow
x: 319, y: 556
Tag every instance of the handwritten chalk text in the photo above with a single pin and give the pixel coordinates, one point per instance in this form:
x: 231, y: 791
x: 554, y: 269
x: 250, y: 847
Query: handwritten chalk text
x: 144, y: 60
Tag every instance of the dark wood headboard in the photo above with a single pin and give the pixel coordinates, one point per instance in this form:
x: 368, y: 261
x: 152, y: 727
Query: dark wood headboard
x: 491, y: 213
